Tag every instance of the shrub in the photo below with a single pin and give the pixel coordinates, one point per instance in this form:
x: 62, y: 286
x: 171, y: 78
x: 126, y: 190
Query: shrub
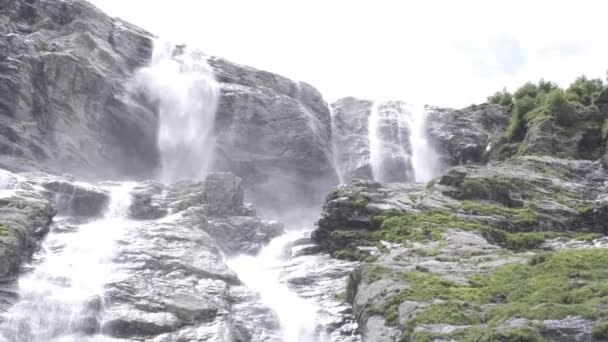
x: 503, y: 98
x: 473, y: 189
x: 584, y: 90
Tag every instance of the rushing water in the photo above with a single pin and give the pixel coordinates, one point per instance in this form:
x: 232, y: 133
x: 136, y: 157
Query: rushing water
x: 424, y: 157
x: 262, y: 273
x: 398, y: 143
x: 62, y: 296
x: 182, y: 85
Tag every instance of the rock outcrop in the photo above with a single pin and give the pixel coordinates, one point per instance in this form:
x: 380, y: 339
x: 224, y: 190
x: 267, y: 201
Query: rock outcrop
x: 422, y: 245
x: 274, y: 133
x: 465, y: 136
x: 176, y: 241
x: 64, y: 66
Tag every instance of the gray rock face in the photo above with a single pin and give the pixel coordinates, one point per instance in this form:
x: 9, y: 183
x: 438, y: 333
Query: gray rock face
x: 25, y: 216
x: 578, y: 135
x: 273, y: 133
x: 479, y: 215
x: 351, y: 134
x: 386, y: 147
x: 220, y: 199
x: 63, y: 67
x: 465, y: 136
x: 168, y: 280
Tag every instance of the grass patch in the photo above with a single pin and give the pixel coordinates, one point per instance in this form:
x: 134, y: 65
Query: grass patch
x: 523, y: 216
x: 421, y: 226
x: 552, y: 286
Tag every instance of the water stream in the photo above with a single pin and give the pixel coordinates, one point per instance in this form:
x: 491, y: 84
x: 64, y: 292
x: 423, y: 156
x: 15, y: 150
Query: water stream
x: 61, y: 296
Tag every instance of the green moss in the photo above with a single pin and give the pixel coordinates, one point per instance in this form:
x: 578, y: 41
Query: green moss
x: 600, y: 330
x: 352, y: 254
x: 4, y: 230
x: 361, y: 201
x: 519, y: 334
x: 426, y: 225
x: 430, y: 184
x: 585, y: 207
x: 450, y: 312
x: 473, y: 189
x: 554, y: 286
x: 522, y: 216
x: 375, y: 273
x: 586, y: 236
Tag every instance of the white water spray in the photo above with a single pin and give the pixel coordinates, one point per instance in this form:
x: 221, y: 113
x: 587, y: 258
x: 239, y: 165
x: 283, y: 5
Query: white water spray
x: 63, y: 296
x: 425, y: 160
x: 262, y: 273
x: 399, y: 147
x: 375, y: 145
x: 182, y: 85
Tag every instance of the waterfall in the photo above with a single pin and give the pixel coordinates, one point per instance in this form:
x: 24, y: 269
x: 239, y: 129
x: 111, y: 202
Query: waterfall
x: 182, y: 86
x: 263, y: 274
x: 375, y: 146
x: 399, y: 150
x: 336, y: 152
x: 425, y: 160
x: 62, y: 297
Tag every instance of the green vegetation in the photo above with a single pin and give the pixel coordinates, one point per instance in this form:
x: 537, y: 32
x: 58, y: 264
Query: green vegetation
x: 551, y: 286
x: 473, y: 188
x: 584, y: 90
x: 600, y: 330
x: 503, y: 98
x: 533, y: 102
x: 361, y: 201
x: 4, y: 230
x: 522, y: 216
x: 426, y: 225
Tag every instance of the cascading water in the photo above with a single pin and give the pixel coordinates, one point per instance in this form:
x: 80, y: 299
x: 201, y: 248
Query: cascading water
x: 182, y: 85
x: 62, y: 297
x: 262, y: 273
x: 398, y: 144
x: 424, y: 157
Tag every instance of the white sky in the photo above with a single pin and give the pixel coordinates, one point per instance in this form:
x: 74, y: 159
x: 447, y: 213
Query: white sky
x: 449, y: 53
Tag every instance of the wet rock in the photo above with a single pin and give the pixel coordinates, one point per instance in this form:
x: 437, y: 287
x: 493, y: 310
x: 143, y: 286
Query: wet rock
x: 24, y: 217
x: 580, y: 138
x: 291, y: 125
x: 74, y: 199
x: 65, y: 66
x: 465, y: 136
x: 243, y: 234
x: 147, y: 202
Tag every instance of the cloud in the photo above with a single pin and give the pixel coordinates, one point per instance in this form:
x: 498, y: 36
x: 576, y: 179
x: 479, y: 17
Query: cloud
x: 451, y: 53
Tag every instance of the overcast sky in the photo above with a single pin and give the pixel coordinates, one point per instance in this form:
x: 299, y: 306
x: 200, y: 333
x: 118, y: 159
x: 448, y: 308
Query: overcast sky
x: 449, y: 53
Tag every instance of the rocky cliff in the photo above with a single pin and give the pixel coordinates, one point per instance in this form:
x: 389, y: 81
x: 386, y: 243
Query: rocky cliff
x: 65, y: 107
x: 63, y: 70
x: 493, y: 250
x: 508, y: 243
